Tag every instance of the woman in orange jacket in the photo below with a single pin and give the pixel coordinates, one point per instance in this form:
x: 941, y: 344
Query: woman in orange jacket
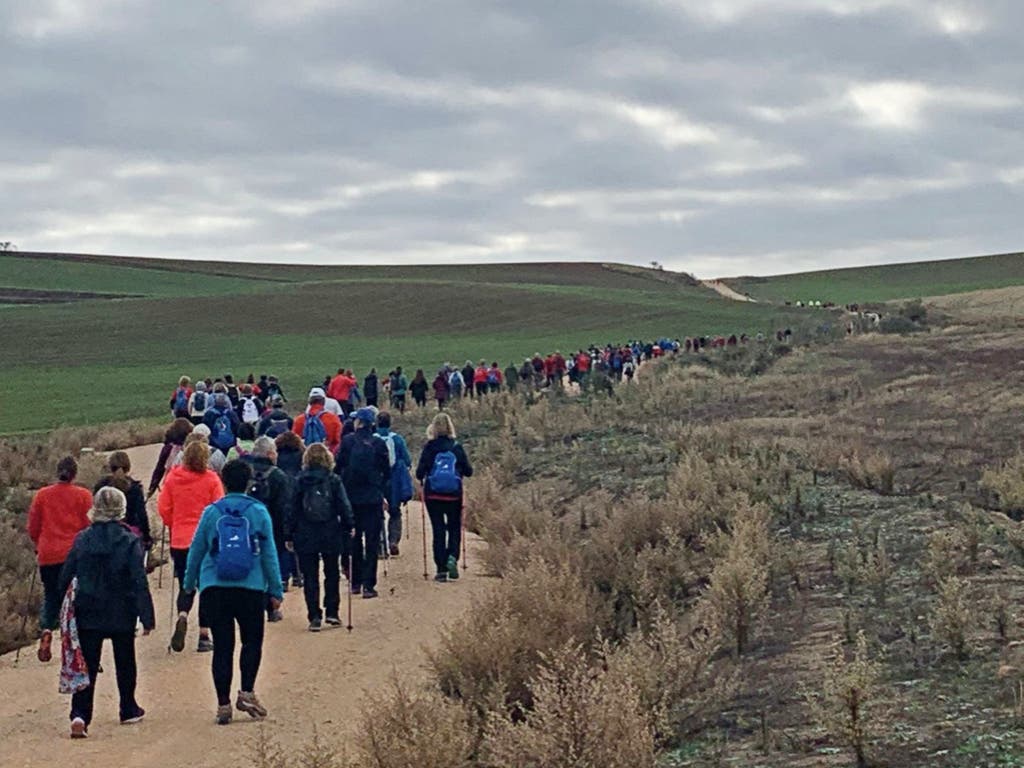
x: 187, y: 491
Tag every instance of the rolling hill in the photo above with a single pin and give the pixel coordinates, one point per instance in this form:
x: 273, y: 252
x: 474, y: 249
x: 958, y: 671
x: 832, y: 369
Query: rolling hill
x: 92, y: 339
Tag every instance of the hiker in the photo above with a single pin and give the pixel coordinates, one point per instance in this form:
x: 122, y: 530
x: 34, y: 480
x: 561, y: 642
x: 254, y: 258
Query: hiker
x: 174, y: 440
x: 57, y: 513
x: 119, y: 467
x: 480, y: 379
x: 243, y: 443
x: 468, y: 375
x: 399, y: 386
x: 365, y: 470
x: 418, y: 388
x: 111, y: 596
x: 456, y: 384
x: 233, y: 563
x: 188, y: 490
x: 441, y: 388
x: 250, y: 407
x: 274, y: 388
x: 222, y: 420
x: 289, y: 460
x: 276, y: 421
x: 629, y: 369
x: 319, y: 525
x: 400, y: 486
x: 511, y: 377
x: 340, y: 388
x: 217, y: 458
x: 180, y: 398
x: 442, y: 465
x: 494, y: 378
x: 371, y: 387
x: 198, y: 403
x: 273, y: 488
x: 317, y: 424
x: 231, y: 390
x: 583, y: 362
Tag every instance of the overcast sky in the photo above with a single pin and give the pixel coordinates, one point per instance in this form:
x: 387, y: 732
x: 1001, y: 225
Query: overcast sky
x: 721, y: 137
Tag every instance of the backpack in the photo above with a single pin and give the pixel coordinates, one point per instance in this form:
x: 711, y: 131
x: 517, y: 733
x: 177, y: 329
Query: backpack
x: 389, y: 441
x: 250, y: 411
x: 317, y: 506
x: 314, y: 431
x: 444, y: 476
x: 455, y: 382
x: 401, y: 485
x: 233, y: 394
x: 361, y: 469
x: 259, y: 488
x: 235, y: 548
x: 492, y: 377
x: 277, y: 427
x: 221, y: 434
x: 199, y: 402
x: 181, y: 402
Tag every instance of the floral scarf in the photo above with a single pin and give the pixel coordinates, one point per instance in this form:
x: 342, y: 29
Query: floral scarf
x: 74, y: 676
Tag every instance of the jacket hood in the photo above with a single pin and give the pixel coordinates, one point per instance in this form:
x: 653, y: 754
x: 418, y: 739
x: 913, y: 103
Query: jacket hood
x: 102, y: 538
x: 184, y: 476
x: 221, y: 400
x: 313, y: 476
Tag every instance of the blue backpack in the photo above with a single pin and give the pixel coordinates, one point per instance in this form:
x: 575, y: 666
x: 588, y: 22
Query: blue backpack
x: 221, y: 434
x: 444, y: 476
x: 314, y: 430
x: 181, y: 402
x: 235, y: 548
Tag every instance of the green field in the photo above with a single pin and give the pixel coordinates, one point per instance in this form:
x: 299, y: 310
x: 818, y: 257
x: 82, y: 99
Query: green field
x: 862, y: 285
x: 107, y: 359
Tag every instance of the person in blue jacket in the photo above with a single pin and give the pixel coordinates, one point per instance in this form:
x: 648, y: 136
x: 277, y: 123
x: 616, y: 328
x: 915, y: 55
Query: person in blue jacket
x: 224, y: 602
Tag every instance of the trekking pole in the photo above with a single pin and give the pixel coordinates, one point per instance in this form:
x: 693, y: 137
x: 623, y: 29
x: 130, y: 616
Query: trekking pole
x: 423, y: 527
x: 349, y: 627
x: 163, y: 545
x: 171, y: 622
x: 24, y: 619
x: 465, y: 560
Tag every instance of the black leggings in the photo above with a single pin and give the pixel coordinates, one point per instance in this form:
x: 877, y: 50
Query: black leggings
x: 366, y: 544
x: 49, y: 575
x: 309, y: 565
x: 125, y: 671
x: 223, y: 607
x: 446, y: 523
x: 185, y: 600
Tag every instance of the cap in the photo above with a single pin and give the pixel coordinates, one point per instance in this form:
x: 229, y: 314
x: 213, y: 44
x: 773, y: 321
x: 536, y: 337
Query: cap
x: 366, y: 416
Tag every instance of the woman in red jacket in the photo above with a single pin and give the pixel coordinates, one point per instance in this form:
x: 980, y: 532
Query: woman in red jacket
x: 187, y: 491
x: 58, y: 513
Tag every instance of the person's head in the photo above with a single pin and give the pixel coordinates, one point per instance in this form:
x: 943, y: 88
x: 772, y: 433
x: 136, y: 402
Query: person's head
x: 277, y: 401
x: 246, y: 431
x: 201, y: 432
x: 250, y: 379
x: 209, y: 383
x: 184, y: 382
x: 220, y: 388
x: 67, y: 469
x: 288, y: 441
x: 196, y: 456
x: 398, y: 371
x: 317, y: 396
x: 363, y: 418
x: 119, y: 463
x: 246, y: 390
x: 272, y: 379
x: 108, y: 505
x: 178, y: 431
x: 341, y: 371
x: 483, y: 363
x: 236, y: 476
x: 373, y: 371
x: 494, y: 364
x: 419, y: 374
x: 317, y: 456
x: 441, y: 426
x: 384, y: 420
x: 265, y: 448
x: 200, y: 386
x: 229, y: 379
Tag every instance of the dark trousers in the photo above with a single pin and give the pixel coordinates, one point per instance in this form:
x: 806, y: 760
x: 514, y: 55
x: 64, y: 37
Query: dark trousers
x: 371, y: 401
x: 124, y: 665
x: 446, y: 524
x: 366, y: 544
x: 185, y: 600
x: 481, y: 388
x: 309, y: 564
x: 223, y: 607
x: 394, y: 528
x: 49, y: 575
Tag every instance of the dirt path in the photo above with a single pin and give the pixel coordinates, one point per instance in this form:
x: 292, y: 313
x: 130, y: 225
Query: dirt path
x: 306, y: 680
x: 727, y: 291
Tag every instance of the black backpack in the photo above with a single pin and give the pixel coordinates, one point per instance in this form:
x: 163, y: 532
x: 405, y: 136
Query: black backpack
x: 317, y: 502
x: 362, y: 469
x: 259, y: 487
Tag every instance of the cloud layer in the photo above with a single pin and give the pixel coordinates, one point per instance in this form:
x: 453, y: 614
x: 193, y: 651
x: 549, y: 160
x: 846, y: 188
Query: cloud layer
x: 717, y: 137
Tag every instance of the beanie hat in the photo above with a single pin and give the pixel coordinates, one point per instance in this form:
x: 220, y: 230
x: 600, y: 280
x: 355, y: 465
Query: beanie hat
x: 108, y: 505
x: 202, y: 430
x: 366, y: 416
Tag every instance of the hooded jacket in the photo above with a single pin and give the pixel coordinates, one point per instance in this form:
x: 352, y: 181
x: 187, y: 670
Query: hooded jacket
x: 360, y: 490
x: 426, y: 464
x: 135, y: 515
x: 370, y: 386
x: 184, y: 497
x: 113, y: 592
x: 274, y: 423
x: 279, y: 493
x: 308, y: 536
x: 58, y: 512
x: 332, y: 425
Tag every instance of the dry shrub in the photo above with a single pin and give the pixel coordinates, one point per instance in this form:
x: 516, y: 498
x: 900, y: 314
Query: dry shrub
x: 848, y: 705
x: 581, y: 716
x: 266, y: 752
x: 946, y: 555
x: 515, y: 522
x: 17, y: 570
x: 1006, y: 484
x: 953, y: 615
x: 874, y: 470
x: 877, y: 573
x: 497, y: 646
x: 738, y: 599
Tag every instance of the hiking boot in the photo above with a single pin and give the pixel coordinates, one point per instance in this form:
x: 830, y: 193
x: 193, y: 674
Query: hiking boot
x: 180, y: 630
x: 79, y: 730
x: 441, y: 577
x: 333, y: 622
x: 275, y: 616
x: 356, y: 589
x: 45, y: 652
x: 453, y: 569
x: 369, y: 593
x: 314, y: 625
x: 248, y: 703
x: 297, y: 582
x: 284, y: 586
x: 224, y: 714
x: 205, y: 644
x: 135, y: 717
x: 394, y: 550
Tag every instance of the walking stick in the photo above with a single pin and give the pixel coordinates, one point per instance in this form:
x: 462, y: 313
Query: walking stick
x: 383, y: 544
x: 465, y: 562
x: 349, y: 627
x: 423, y: 528
x: 171, y: 622
x: 163, y: 547
x: 24, y: 619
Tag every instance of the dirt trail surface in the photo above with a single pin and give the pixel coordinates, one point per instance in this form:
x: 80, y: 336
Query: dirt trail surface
x: 305, y: 680
x: 725, y: 290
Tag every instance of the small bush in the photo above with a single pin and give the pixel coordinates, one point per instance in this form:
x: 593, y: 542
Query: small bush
x: 738, y: 598
x: 954, y: 615
x: 848, y: 706
x: 1006, y: 485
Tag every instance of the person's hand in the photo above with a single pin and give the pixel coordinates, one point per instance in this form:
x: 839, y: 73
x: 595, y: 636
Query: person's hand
x: 290, y: 546
x: 146, y: 631
x: 387, y: 506
x: 275, y: 603
x: 352, y: 533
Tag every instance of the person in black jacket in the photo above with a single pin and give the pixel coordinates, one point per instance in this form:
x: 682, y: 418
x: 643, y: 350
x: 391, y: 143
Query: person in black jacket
x: 274, y: 488
x: 276, y: 421
x: 436, y: 467
x: 365, y: 468
x: 136, y: 517
x: 112, y: 596
x: 371, y: 388
x: 289, y: 460
x: 174, y: 441
x: 319, y: 526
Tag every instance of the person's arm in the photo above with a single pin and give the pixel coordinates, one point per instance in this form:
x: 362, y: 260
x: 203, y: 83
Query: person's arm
x: 159, y: 469
x: 140, y: 588
x: 402, y: 451
x: 165, y: 505
x: 199, y: 549
x: 137, y: 501
x: 424, y: 463
x: 384, y: 465
x: 70, y: 569
x: 268, y: 554
x: 291, y: 512
x: 341, y: 459
x: 35, y: 520
x: 348, y: 519
x: 462, y: 461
